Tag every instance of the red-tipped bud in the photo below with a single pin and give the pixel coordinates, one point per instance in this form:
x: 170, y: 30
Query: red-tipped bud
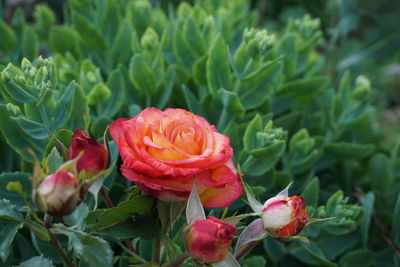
x: 209, y: 241
x: 94, y: 157
x: 285, y: 216
x: 58, y: 194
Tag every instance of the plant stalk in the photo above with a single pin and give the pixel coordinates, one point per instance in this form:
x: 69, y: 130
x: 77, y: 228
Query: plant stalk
x: 179, y: 260
x: 156, y: 250
x: 48, y: 222
x: 249, y: 246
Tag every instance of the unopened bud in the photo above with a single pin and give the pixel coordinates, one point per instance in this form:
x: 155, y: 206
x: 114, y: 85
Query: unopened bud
x: 284, y: 216
x: 209, y: 241
x: 58, y: 194
x: 94, y: 158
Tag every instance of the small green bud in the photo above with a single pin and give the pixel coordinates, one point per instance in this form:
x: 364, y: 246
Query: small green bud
x: 41, y: 61
x: 99, y: 93
x: 91, y: 77
x: 150, y: 39
x: 15, y: 110
x: 25, y: 64
x: 21, y: 79
x: 5, y: 76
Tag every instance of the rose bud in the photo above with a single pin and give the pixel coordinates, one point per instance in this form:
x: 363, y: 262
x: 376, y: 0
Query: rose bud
x: 58, y: 194
x: 284, y: 216
x: 209, y: 241
x: 94, y: 157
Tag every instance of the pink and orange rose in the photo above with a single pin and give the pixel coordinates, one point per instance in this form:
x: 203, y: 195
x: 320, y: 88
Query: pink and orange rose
x: 165, y: 152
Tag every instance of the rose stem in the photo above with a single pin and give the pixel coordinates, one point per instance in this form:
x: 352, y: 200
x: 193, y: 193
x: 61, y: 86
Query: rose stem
x: 179, y: 260
x: 249, y: 246
x: 156, y: 250
x: 360, y: 195
x: 48, y: 222
x: 110, y: 205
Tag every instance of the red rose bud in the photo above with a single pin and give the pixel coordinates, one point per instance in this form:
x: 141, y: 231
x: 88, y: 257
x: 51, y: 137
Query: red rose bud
x: 58, y: 194
x: 94, y: 157
x: 284, y: 216
x: 209, y: 241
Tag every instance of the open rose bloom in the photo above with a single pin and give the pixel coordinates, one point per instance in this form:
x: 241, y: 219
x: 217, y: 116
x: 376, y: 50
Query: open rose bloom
x: 165, y: 152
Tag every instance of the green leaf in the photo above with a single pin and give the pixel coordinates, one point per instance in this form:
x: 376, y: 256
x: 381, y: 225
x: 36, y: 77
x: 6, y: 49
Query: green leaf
x: 124, y: 210
x: 76, y: 108
x: 344, y: 150
x: 166, y: 95
x: 303, y: 88
x: 9, y: 211
x: 368, y: 205
x: 287, y: 49
x: 89, y: 248
x: 180, y: 47
x: 380, y: 174
x: 253, y: 261
x: 231, y: 101
x: 192, y: 101
x: 54, y: 160
x: 120, y: 51
x: 263, y: 159
x: 38, y: 229
x: 7, y: 35
x: 141, y: 75
x: 256, y: 87
x: 8, y: 230
x: 275, y: 249
x: 29, y: 43
x: 309, y: 253
x: 64, y: 136
x: 37, y: 261
x: 145, y: 227
x: 249, y: 137
x: 218, y: 68
x: 359, y: 257
x: 199, y: 71
x: 77, y: 218
x: 311, y: 192
x: 194, y: 38
x: 63, y: 39
x: 12, y: 196
x: 88, y: 33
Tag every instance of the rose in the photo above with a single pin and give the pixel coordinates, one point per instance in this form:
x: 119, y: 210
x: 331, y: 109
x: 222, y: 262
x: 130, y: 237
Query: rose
x: 164, y: 152
x: 284, y: 216
x: 209, y: 241
x: 58, y: 194
x: 94, y: 157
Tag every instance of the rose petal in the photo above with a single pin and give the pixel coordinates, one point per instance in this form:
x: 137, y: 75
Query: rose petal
x: 222, y: 197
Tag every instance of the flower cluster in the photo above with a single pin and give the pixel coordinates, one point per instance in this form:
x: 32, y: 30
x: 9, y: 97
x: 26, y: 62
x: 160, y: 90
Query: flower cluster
x: 59, y: 193
x: 174, y: 155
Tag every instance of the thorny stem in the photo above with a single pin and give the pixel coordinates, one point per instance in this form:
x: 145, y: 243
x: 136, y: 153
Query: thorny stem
x: 359, y: 193
x: 110, y: 205
x: 48, y: 222
x: 179, y: 260
x: 156, y: 250
x: 249, y: 246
